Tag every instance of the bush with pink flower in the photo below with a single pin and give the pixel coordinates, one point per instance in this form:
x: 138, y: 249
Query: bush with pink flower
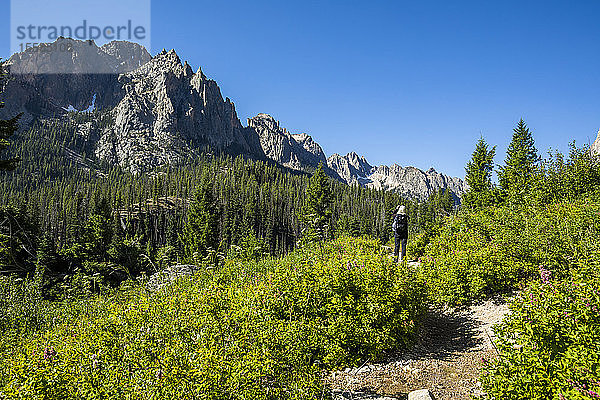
x: 549, y: 345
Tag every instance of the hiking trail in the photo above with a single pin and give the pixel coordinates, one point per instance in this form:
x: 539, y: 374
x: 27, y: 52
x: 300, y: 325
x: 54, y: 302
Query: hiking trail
x: 446, y: 359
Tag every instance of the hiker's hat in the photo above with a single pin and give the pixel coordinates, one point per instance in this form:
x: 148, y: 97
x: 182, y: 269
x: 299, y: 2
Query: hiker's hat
x: 401, y: 209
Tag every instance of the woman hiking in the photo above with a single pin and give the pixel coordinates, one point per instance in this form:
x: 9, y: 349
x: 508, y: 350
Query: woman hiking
x: 400, y: 229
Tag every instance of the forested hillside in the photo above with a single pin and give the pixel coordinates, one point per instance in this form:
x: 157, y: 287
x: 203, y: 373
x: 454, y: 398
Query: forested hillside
x: 89, y: 216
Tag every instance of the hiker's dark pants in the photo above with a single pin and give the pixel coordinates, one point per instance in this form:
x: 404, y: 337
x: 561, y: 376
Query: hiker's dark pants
x: 399, y: 241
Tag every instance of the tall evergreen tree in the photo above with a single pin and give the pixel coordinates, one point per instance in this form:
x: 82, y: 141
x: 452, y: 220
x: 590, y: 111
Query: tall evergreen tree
x: 98, y: 231
x: 479, y: 176
x: 7, y: 128
x: 316, y: 213
x: 201, y: 232
x: 518, y: 172
x: 446, y: 202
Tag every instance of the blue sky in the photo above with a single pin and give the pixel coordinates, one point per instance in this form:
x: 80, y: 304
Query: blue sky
x: 413, y: 83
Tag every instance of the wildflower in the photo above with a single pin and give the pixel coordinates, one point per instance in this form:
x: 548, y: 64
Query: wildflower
x: 545, y: 275
x: 49, y: 353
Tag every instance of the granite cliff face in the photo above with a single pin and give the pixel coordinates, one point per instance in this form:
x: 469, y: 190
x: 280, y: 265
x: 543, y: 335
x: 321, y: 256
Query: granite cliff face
x: 71, y: 56
x: 126, y: 56
x: 352, y: 168
x: 66, y: 75
x: 295, y: 151
x: 408, y: 181
x: 169, y: 114
x: 311, y: 146
x: 596, y: 145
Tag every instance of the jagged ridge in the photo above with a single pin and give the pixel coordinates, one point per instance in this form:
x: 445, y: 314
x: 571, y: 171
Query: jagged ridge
x: 295, y: 151
x: 408, y: 181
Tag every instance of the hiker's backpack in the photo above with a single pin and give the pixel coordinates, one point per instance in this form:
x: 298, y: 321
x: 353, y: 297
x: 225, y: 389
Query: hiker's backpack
x: 400, y: 223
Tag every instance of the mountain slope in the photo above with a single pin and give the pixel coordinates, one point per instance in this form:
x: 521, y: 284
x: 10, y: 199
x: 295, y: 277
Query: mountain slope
x: 44, y: 82
x: 295, y: 151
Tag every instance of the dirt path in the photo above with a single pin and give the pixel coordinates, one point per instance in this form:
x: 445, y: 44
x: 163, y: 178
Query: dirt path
x: 446, y: 360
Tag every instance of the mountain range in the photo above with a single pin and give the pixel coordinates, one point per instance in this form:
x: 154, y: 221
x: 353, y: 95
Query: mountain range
x: 162, y: 112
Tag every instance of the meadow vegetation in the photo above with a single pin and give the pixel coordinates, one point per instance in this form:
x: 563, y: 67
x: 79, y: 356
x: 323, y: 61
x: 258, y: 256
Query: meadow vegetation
x: 253, y: 325
x: 250, y: 330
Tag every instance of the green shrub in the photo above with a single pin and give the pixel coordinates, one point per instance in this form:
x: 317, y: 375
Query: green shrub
x: 493, y: 249
x: 417, y: 244
x: 550, y: 343
x: 250, y: 248
x: 21, y: 305
x: 474, y: 254
x: 252, y: 330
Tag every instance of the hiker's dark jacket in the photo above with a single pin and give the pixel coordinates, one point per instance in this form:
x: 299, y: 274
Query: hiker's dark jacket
x: 400, y: 226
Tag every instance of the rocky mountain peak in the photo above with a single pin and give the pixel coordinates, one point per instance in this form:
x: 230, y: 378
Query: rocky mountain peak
x: 408, y: 181
x: 173, y: 57
x: 596, y: 145
x: 129, y: 56
x: 264, y: 121
x: 358, y: 162
x: 168, y: 114
x: 295, y: 151
x: 71, y: 56
x: 164, y: 62
x: 308, y: 143
x: 187, y: 69
x: 68, y: 75
x: 200, y: 74
x: 349, y: 168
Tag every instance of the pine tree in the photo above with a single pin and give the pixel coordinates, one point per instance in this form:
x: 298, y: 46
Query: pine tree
x: 516, y: 176
x: 479, y: 176
x: 446, y: 201
x: 7, y: 128
x: 46, y: 253
x: 316, y: 213
x: 201, y: 232
x: 98, y: 231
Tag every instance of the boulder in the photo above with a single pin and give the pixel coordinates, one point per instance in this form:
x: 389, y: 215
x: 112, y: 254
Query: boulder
x: 422, y: 394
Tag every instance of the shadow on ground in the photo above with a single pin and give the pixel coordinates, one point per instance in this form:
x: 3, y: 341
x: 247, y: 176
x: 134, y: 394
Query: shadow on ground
x: 446, y: 359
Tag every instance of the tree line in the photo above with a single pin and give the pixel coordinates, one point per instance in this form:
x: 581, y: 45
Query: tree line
x: 527, y: 178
